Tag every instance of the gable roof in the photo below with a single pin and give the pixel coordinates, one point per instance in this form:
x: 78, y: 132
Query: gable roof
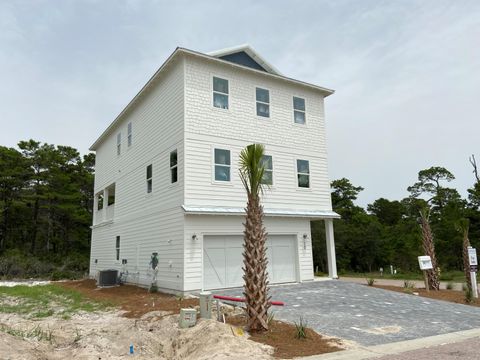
x: 242, y: 50
x: 179, y: 51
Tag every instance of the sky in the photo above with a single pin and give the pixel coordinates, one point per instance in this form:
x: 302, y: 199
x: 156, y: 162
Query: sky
x: 406, y: 73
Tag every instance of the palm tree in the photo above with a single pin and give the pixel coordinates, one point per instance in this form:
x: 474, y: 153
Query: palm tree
x: 462, y: 227
x: 254, y: 255
x: 429, y: 249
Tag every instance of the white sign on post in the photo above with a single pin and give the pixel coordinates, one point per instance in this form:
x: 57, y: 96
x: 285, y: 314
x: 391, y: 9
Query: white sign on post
x: 472, y: 256
x: 425, y: 262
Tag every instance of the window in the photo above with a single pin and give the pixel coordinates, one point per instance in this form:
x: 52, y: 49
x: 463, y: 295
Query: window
x: 173, y: 167
x: 220, y: 93
x: 119, y: 143
x: 129, y: 134
x: 100, y: 201
x: 303, y: 173
x: 111, y: 195
x: 117, y: 248
x: 149, y: 178
x: 263, y: 102
x: 267, y: 163
x: 299, y: 110
x: 222, y: 165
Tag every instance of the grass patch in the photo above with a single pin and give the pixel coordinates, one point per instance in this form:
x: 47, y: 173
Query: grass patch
x: 46, y: 300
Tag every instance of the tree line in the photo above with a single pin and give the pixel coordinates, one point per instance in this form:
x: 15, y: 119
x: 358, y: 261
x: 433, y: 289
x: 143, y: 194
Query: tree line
x: 46, y: 194
x: 388, y: 232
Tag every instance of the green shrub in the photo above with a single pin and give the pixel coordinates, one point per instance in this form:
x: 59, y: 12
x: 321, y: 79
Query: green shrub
x: 63, y: 275
x: 301, y: 329
x: 449, y: 286
x: 370, y: 281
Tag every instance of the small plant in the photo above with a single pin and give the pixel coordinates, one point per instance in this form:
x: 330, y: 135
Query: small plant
x: 464, y: 287
x: 270, y: 318
x: 450, y: 286
x: 301, y: 329
x: 468, y: 295
x: 408, y: 286
x: 153, y: 288
x: 370, y: 281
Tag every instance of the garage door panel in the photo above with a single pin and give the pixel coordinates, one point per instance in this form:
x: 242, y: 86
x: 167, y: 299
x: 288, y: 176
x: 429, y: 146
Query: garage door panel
x: 223, y: 260
x: 214, y: 267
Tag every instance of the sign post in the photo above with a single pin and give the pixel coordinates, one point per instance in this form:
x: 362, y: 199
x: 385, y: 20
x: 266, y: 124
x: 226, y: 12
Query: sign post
x: 472, y: 260
x: 425, y: 263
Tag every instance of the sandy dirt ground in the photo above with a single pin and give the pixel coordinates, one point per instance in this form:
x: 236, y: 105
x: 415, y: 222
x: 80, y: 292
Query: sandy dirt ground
x: 108, y: 335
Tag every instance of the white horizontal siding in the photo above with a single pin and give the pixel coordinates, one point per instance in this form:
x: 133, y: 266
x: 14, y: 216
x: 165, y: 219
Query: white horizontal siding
x: 207, y: 127
x: 146, y: 222
x: 202, y: 225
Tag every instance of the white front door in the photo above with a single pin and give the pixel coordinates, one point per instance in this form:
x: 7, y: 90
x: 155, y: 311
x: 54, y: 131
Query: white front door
x: 223, y: 260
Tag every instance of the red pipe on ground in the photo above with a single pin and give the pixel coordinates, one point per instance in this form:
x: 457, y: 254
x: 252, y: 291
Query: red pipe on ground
x: 236, y: 299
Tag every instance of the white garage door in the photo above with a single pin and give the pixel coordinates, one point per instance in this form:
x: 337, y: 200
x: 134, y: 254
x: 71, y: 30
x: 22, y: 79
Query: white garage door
x: 223, y: 260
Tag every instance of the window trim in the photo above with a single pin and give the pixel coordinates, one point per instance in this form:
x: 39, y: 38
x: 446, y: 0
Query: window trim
x: 220, y: 182
x: 261, y: 102
x: 218, y: 92
x: 173, y: 167
x: 273, y: 172
x: 149, y: 180
x: 117, y: 248
x: 303, y: 111
x: 119, y: 143
x: 129, y: 134
x: 299, y: 173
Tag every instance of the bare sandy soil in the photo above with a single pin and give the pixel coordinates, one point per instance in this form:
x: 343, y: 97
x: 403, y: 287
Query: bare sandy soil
x: 108, y: 335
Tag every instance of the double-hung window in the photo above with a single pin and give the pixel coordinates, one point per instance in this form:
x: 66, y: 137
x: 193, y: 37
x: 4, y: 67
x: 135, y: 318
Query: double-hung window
x: 222, y: 165
x: 173, y: 166
x: 149, y: 179
x: 303, y: 173
x: 220, y: 93
x: 262, y: 97
x: 267, y: 163
x: 129, y: 134
x: 299, y: 110
x: 117, y: 248
x: 119, y: 143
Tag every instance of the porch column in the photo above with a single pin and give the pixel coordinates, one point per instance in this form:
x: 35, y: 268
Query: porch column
x: 332, y: 260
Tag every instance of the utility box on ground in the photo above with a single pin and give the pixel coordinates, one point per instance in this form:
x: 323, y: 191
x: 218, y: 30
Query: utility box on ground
x: 188, y: 318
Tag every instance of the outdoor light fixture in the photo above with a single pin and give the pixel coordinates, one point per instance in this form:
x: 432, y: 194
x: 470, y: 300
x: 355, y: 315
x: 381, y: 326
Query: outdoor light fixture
x: 194, y: 237
x: 305, y: 237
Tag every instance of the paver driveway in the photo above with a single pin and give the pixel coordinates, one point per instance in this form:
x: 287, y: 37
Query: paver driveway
x: 367, y: 315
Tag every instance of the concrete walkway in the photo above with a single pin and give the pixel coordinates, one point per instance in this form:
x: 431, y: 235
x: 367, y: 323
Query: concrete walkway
x: 395, y: 282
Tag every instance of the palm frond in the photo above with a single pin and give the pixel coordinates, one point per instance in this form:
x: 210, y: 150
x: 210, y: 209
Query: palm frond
x: 251, y: 169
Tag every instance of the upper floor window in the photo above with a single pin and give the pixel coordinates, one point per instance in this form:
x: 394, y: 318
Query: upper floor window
x: 111, y: 195
x: 263, y: 102
x: 222, y: 165
x: 119, y: 143
x: 117, y: 248
x: 299, y: 110
x: 267, y: 162
x: 129, y: 134
x: 173, y: 166
x: 149, y: 179
x: 303, y: 173
x: 220, y: 93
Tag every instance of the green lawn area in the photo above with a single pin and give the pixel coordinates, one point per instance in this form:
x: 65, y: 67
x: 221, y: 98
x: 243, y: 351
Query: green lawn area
x: 453, y: 276
x: 46, y: 300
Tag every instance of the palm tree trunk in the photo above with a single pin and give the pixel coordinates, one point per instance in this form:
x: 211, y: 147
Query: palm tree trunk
x: 255, y: 267
x: 466, y: 262
x: 429, y: 249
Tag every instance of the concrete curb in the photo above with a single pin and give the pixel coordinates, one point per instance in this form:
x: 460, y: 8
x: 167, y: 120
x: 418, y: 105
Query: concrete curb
x: 372, y: 352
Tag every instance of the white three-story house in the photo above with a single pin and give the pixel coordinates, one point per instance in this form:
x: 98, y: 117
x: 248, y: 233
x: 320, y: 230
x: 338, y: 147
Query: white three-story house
x: 166, y: 176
